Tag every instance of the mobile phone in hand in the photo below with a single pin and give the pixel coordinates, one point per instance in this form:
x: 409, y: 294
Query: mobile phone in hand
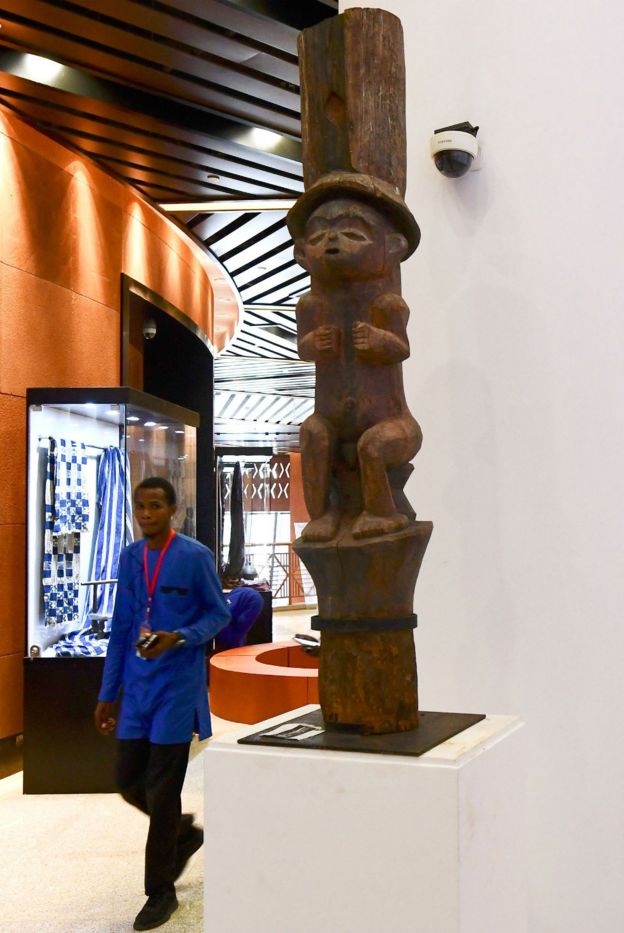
x: 147, y: 641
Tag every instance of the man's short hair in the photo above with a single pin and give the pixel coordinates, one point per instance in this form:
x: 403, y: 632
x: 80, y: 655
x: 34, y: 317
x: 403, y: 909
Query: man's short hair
x: 158, y: 482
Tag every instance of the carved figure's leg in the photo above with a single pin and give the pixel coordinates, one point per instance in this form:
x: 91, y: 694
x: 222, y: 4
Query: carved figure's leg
x: 318, y: 446
x: 389, y: 443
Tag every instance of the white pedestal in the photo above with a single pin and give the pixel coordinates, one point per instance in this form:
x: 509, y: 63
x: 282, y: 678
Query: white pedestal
x: 305, y: 841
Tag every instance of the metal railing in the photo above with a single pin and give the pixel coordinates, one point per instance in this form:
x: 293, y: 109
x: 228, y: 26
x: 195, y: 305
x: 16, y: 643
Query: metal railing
x: 288, y: 578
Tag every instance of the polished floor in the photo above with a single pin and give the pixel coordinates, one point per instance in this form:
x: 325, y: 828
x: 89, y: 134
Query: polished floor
x: 74, y: 863
x: 289, y: 622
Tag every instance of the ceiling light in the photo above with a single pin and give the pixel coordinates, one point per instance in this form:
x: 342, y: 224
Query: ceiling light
x: 41, y: 69
x: 179, y: 432
x: 132, y: 418
x: 261, y: 139
x: 150, y: 424
x: 233, y: 205
x: 212, y: 177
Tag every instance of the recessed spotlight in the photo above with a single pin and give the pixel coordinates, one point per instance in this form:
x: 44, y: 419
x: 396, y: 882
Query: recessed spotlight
x: 133, y: 418
x: 141, y: 440
x: 162, y: 427
x: 150, y: 424
x: 41, y: 69
x: 180, y: 432
x: 212, y: 177
x: 262, y: 139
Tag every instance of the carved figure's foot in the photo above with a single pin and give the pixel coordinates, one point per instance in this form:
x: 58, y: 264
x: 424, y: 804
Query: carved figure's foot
x: 323, y: 528
x: 368, y: 525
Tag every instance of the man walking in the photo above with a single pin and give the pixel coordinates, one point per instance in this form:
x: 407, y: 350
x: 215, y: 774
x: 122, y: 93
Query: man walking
x: 169, y: 604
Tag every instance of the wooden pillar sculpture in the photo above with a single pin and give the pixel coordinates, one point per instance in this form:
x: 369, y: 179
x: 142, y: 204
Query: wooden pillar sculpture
x: 352, y: 229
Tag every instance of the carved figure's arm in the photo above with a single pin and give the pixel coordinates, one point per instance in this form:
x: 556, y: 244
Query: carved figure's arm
x: 315, y: 339
x: 385, y: 340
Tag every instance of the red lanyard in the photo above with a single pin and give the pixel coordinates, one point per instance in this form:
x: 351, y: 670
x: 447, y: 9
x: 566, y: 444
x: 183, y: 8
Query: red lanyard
x: 151, y: 584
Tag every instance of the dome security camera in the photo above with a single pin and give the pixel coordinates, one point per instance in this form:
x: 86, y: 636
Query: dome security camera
x: 149, y: 328
x: 454, y: 149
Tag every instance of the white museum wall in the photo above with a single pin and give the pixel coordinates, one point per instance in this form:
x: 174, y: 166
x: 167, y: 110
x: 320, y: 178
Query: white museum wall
x: 517, y: 379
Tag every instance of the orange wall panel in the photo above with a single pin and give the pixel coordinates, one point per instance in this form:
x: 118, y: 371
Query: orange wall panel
x: 50, y: 336
x: 96, y: 242
x: 11, y: 691
x: 13, y: 447
x: 298, y: 510
x: 36, y: 203
x: 12, y: 589
x: 68, y: 222
x: 298, y: 514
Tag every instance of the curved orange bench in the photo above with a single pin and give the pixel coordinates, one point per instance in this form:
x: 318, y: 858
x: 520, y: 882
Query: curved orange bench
x: 259, y: 681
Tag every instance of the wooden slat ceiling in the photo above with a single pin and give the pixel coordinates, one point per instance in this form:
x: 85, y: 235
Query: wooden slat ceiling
x: 169, y: 97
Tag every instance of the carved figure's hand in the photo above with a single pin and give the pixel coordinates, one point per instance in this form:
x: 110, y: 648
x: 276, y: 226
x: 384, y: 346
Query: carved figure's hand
x: 365, y: 336
x: 326, y: 338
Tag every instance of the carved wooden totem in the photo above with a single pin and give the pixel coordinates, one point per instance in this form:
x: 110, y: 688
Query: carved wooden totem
x: 352, y: 229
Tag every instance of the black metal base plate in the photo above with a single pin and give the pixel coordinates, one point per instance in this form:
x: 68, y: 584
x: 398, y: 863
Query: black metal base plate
x: 434, y: 729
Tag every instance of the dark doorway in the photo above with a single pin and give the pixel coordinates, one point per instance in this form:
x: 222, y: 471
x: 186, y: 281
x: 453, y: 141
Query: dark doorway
x: 176, y: 365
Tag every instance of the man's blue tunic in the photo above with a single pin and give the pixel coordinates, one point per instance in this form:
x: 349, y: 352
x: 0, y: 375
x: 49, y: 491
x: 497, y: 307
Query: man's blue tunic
x: 164, y: 700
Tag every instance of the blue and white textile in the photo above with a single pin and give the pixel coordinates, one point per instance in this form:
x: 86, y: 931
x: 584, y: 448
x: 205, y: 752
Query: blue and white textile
x: 114, y: 500
x: 61, y: 578
x: 71, y: 504
x: 114, y: 530
x: 78, y: 644
x: 66, y: 515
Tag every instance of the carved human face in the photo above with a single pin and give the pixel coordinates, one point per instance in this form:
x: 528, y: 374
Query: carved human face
x: 346, y: 239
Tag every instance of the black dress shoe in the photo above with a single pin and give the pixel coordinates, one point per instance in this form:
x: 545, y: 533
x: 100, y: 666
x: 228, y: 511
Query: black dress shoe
x: 157, y: 910
x: 187, y: 846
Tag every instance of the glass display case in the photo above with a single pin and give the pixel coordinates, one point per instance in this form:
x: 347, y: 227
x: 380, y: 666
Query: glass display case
x: 87, y: 450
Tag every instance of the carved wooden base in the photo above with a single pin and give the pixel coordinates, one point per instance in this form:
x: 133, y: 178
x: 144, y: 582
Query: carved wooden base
x: 360, y: 578
x: 380, y: 670
x: 367, y: 672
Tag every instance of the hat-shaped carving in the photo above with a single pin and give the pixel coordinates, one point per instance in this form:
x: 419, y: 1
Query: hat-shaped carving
x: 363, y: 187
